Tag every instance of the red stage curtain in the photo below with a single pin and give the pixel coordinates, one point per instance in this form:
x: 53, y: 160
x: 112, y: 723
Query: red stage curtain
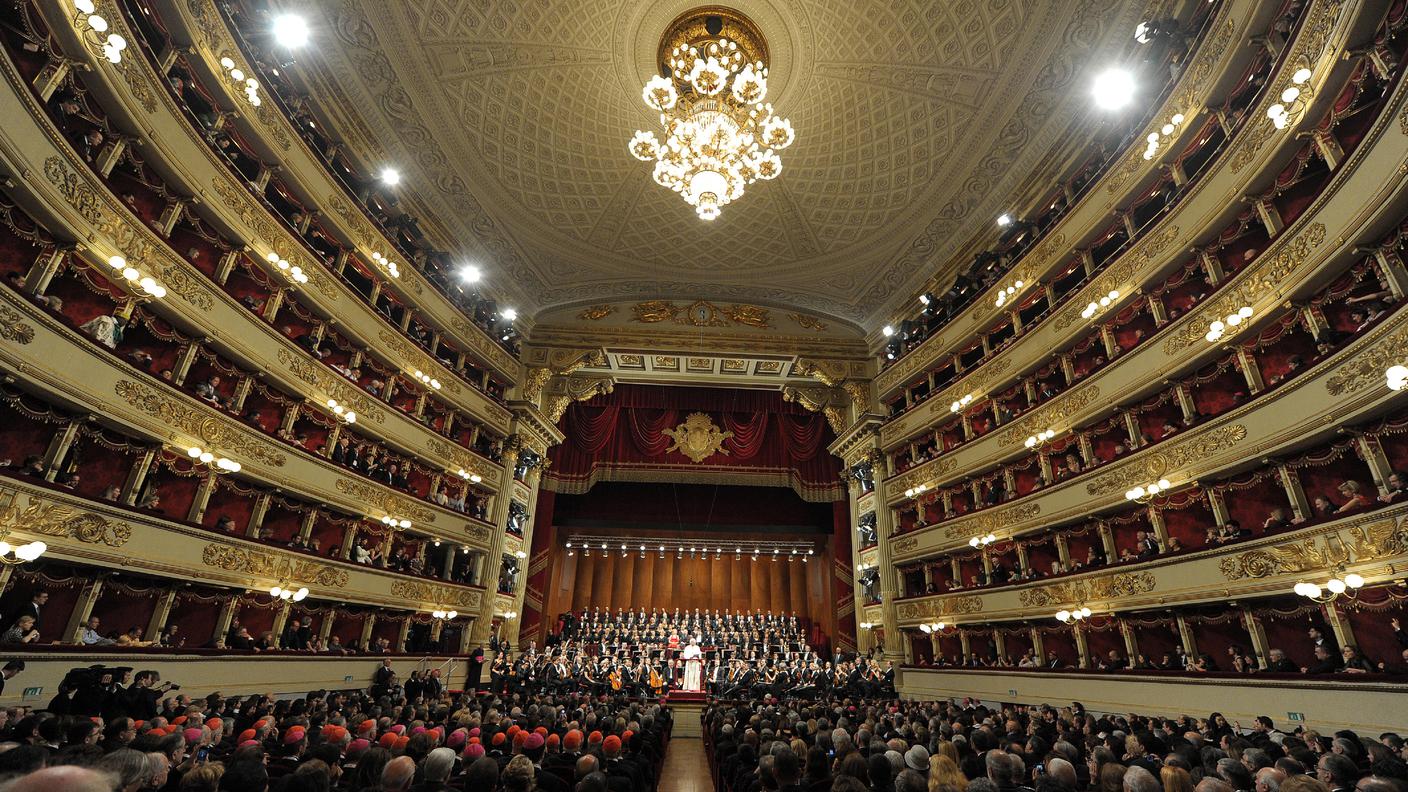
x: 773, y: 443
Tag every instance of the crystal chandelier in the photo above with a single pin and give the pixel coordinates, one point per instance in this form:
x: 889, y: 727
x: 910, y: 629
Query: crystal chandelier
x: 720, y: 136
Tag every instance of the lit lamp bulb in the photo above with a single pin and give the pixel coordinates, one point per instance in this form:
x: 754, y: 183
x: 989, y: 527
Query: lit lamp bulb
x: 1352, y: 580
x: 452, y: 614
x: 30, y: 551
x: 276, y: 591
x: 1063, y: 615
x: 973, y: 542
x: 1336, y: 586
x: 1085, y: 613
x: 300, y: 595
x: 1397, y: 377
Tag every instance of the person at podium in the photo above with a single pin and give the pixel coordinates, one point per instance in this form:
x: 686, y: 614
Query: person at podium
x: 693, y: 666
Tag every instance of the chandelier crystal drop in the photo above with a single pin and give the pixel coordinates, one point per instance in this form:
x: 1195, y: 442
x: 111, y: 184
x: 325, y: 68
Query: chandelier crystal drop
x: 720, y: 134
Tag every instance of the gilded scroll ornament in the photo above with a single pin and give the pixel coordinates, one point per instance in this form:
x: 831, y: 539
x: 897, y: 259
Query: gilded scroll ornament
x: 998, y: 520
x: 389, y: 502
x: 1058, y: 412
x: 58, y: 520
x: 12, y: 329
x: 418, y: 591
x: 74, y: 189
x: 272, y: 565
x: 940, y: 606
x: 193, y: 421
x: 1366, y: 368
x: 1119, y: 274
x: 808, y: 322
x: 1379, y: 540
x: 1300, y: 555
x: 698, y: 438
x: 904, y: 545
x: 1195, y: 447
x: 1264, y: 276
x: 334, y: 386
x: 1096, y: 589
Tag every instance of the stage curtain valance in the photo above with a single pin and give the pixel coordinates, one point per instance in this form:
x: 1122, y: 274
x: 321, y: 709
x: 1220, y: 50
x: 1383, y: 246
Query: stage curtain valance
x: 623, y: 436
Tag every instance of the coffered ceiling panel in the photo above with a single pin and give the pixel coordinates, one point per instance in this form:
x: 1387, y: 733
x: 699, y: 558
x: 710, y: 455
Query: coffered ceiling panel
x: 509, y: 120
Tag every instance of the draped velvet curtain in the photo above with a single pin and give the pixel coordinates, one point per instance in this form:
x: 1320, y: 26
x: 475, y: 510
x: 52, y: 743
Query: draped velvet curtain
x: 622, y: 436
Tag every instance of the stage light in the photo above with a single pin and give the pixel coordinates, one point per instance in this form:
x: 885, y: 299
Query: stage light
x: 390, y: 177
x: 1113, y: 89
x: 470, y: 274
x: 509, y: 314
x: 291, y: 30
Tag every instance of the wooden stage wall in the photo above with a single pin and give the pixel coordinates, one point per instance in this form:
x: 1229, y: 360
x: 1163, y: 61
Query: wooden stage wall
x: 787, y: 585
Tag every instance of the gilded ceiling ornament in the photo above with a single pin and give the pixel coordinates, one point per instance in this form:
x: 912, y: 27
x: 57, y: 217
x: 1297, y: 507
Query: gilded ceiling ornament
x: 597, y: 312
x: 653, y: 311
x: 57, y: 520
x: 807, y: 322
x: 698, y: 438
x: 750, y: 315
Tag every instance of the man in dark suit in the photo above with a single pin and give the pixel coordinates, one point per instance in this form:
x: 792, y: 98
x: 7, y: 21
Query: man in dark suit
x: 31, y: 608
x: 11, y: 668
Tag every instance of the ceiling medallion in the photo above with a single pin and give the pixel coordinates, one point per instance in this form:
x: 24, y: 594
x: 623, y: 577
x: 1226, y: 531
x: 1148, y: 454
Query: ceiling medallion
x: 720, y: 134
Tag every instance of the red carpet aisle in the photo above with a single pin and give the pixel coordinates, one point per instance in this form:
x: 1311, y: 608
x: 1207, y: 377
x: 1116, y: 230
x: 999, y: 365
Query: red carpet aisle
x: 686, y: 769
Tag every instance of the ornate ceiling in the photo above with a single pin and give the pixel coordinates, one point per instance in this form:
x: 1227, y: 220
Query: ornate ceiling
x: 509, y: 122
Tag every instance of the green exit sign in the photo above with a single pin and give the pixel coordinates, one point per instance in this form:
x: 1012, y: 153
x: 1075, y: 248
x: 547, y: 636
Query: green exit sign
x: 347, y: 678
x: 34, y: 691
x: 1296, y: 716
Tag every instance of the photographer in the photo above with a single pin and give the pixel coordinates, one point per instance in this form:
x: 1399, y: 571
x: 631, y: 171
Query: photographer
x: 145, y: 692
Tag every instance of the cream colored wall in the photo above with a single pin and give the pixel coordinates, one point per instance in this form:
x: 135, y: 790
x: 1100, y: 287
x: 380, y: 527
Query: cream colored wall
x: 1368, y: 709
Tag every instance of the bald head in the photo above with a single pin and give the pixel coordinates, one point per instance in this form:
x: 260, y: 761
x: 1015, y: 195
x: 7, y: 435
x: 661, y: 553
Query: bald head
x: 397, y: 774
x: 66, y: 777
x: 586, y: 765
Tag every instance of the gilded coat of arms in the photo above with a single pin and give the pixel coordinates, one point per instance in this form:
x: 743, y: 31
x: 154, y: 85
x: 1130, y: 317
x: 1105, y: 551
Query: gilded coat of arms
x: 698, y: 438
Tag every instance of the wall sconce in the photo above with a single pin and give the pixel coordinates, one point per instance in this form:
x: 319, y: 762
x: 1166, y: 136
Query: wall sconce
x: 144, y: 285
x: 916, y: 490
x: 1292, y: 103
x: 343, y: 414
x: 1040, y: 438
x: 1146, y: 493
x: 961, y: 403
x: 1396, y: 377
x: 13, y: 555
x: 284, y: 592
x: 1156, y: 139
x: 387, y: 264
x: 1008, y: 293
x: 1339, y: 585
x: 446, y: 615
x: 248, y: 85
x: 472, y: 477
x: 1218, y: 328
x: 217, y: 464
x: 92, y: 26
x: 426, y: 379
x: 982, y: 541
x: 395, y: 522
x: 1096, y: 305
x: 932, y: 628
x: 293, y: 272
x: 1068, y: 616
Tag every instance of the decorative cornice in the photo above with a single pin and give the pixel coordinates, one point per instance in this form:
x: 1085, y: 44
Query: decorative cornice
x: 273, y: 565
x: 1087, y: 590
x: 240, y: 444
x: 1166, y: 458
x: 238, y: 200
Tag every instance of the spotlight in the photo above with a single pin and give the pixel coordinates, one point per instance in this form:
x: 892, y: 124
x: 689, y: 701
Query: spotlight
x: 888, y: 331
x: 390, y: 177
x: 470, y: 274
x: 291, y: 30
x: 1004, y: 220
x: 509, y: 314
x: 1113, y: 89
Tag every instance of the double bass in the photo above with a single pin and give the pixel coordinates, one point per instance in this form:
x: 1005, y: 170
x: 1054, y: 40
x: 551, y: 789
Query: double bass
x: 615, y: 678
x: 657, y: 682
